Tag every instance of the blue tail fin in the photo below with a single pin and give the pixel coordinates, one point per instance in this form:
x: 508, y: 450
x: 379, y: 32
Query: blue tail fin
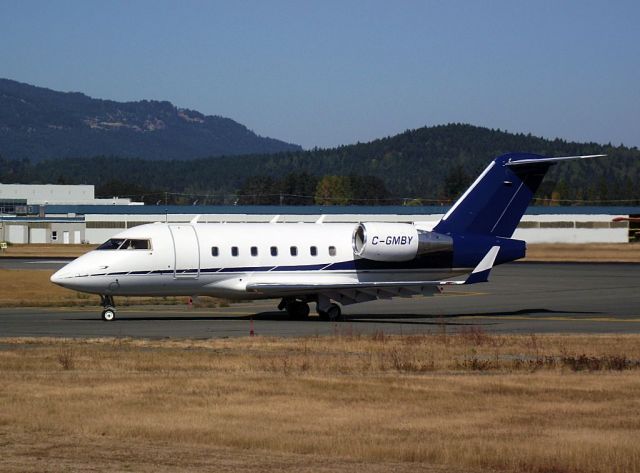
x: 497, y: 200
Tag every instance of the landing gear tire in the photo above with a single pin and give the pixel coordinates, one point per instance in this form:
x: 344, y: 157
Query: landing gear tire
x: 108, y: 308
x: 332, y: 314
x: 108, y: 314
x: 298, y: 310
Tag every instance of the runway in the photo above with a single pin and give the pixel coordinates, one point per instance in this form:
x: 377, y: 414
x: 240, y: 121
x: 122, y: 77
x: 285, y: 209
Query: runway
x: 520, y: 298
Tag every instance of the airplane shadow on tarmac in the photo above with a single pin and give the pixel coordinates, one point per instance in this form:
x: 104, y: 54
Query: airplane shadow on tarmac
x: 390, y: 318
x: 276, y: 316
x: 440, y: 319
x: 492, y: 314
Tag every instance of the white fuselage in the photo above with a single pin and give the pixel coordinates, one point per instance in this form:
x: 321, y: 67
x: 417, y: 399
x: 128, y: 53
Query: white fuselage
x: 221, y: 259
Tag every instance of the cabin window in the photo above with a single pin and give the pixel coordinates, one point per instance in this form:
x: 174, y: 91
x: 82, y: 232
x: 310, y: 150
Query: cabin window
x: 234, y: 251
x: 125, y: 244
x: 274, y: 251
x: 214, y: 251
x: 294, y: 251
x: 332, y: 251
x: 254, y: 251
x: 54, y: 236
x: 314, y: 251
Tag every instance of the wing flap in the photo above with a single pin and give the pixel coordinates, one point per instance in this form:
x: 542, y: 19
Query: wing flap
x: 363, y: 286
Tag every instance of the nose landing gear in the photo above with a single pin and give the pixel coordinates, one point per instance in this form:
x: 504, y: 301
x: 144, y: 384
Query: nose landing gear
x: 109, y: 308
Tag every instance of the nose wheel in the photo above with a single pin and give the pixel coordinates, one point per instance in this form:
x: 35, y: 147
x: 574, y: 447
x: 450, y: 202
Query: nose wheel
x: 108, y: 314
x: 109, y: 308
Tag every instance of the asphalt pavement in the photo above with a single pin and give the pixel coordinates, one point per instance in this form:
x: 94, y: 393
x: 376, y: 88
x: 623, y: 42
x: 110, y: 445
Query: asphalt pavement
x: 520, y: 298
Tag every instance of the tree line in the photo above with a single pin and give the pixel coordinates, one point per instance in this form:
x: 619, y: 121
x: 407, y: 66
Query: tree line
x: 306, y: 189
x: 430, y: 165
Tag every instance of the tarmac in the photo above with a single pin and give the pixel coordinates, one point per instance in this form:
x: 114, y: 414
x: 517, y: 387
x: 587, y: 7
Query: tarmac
x: 520, y: 298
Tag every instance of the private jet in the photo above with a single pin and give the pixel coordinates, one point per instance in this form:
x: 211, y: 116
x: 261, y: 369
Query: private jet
x: 329, y: 264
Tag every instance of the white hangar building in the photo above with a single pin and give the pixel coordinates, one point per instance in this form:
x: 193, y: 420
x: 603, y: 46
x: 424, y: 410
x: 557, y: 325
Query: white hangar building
x: 93, y: 224
x: 23, y: 212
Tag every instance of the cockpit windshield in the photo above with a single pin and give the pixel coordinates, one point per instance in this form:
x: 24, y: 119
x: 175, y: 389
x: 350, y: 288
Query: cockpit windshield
x: 125, y: 244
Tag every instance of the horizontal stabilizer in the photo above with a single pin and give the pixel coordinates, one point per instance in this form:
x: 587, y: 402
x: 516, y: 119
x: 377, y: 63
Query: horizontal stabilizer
x: 481, y: 272
x: 550, y: 160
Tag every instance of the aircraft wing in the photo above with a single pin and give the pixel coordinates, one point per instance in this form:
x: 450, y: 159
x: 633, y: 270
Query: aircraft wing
x: 350, y: 292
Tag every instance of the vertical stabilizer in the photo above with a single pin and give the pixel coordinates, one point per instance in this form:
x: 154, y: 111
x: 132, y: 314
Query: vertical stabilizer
x: 496, y: 201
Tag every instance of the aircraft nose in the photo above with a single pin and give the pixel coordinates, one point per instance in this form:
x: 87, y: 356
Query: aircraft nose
x: 57, y: 277
x: 76, y: 274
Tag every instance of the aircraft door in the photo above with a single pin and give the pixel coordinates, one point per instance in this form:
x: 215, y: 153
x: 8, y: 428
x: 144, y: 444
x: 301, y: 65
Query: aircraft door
x: 186, y: 251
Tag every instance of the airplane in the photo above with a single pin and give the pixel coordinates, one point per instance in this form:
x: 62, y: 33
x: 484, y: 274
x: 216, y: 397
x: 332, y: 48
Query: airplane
x: 329, y: 264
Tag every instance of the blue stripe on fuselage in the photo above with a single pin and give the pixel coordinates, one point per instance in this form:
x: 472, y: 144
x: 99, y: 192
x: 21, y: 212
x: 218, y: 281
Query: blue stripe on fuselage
x: 438, y: 260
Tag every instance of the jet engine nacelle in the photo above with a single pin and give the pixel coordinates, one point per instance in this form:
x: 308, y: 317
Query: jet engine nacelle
x: 379, y: 241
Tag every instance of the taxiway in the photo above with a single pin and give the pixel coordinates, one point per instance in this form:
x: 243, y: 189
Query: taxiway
x: 520, y: 298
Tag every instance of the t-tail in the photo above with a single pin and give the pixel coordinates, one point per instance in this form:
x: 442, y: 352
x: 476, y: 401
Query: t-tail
x: 487, y: 214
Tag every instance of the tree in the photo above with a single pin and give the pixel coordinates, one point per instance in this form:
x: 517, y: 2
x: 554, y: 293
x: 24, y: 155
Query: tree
x: 560, y: 192
x: 298, y: 188
x: 333, y: 190
x: 369, y: 190
x: 455, y: 182
x: 259, y: 190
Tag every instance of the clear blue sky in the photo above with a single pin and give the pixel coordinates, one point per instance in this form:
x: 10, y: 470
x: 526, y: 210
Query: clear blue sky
x: 325, y: 73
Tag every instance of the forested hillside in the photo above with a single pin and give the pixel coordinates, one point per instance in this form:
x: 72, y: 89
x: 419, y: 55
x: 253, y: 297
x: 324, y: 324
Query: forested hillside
x: 38, y: 123
x: 426, y: 165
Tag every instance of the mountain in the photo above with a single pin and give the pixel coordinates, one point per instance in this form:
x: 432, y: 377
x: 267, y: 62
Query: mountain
x: 433, y: 164
x: 38, y: 123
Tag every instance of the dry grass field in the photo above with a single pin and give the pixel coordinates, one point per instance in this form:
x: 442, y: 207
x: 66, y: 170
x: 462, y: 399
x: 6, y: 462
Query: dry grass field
x: 32, y: 288
x: 469, y: 401
x: 46, y: 250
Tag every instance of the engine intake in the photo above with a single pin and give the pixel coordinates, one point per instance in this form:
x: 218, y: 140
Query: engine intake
x: 379, y: 241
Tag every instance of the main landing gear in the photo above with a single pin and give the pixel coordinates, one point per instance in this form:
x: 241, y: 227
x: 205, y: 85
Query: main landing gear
x: 108, y: 308
x: 332, y: 314
x: 327, y: 310
x: 299, y: 309
x: 295, y: 308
